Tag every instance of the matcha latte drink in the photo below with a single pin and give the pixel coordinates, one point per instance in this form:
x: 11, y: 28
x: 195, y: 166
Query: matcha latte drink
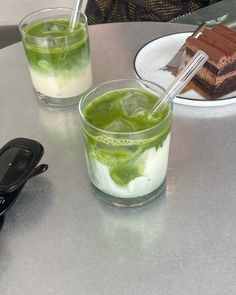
x: 58, y: 58
x: 126, y: 149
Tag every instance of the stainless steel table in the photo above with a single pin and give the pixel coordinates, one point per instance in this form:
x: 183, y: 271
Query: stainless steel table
x: 60, y: 239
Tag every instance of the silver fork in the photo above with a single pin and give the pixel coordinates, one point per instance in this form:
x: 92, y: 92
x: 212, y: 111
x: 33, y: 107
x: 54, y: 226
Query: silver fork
x: 178, y: 59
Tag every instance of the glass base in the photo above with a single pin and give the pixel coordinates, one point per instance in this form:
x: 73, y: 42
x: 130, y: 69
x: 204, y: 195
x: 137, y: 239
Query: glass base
x: 57, y: 101
x: 128, y: 202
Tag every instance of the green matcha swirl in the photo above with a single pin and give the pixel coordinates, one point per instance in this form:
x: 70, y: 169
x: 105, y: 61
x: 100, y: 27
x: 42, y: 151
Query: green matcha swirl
x: 122, y: 151
x: 53, y: 50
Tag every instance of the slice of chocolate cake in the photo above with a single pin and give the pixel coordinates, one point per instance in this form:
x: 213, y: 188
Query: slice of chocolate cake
x: 218, y: 76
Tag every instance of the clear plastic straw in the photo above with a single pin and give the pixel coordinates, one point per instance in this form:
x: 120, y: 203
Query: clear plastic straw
x: 181, y: 80
x: 76, y: 9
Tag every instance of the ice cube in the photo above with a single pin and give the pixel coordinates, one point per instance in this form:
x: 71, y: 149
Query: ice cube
x: 44, y: 65
x: 135, y: 104
x: 119, y: 125
x: 51, y: 43
x: 45, y: 43
x: 54, y: 27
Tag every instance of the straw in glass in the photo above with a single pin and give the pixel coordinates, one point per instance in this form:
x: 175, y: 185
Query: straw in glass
x: 181, y: 80
x: 76, y: 9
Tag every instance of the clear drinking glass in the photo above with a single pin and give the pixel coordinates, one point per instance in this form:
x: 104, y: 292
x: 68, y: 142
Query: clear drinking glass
x: 58, y: 58
x: 126, y: 150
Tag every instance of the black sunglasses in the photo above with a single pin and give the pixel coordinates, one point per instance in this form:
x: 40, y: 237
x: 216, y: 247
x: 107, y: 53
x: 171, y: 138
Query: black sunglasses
x: 18, y: 161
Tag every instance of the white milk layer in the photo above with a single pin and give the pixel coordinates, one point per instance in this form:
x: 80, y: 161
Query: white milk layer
x: 156, y: 162
x: 61, y: 86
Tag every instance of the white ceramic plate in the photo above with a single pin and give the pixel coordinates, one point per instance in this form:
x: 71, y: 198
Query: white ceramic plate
x: 156, y: 54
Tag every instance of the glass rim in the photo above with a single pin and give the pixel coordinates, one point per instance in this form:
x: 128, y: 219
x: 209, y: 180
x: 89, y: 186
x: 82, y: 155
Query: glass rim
x: 21, y: 28
x: 115, y: 133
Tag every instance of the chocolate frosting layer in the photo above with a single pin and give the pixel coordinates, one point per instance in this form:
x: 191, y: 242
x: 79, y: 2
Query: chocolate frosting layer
x: 219, y: 43
x: 226, y: 32
x: 217, y: 71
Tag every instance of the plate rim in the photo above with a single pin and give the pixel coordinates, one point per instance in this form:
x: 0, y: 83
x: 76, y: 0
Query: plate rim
x: 196, y: 100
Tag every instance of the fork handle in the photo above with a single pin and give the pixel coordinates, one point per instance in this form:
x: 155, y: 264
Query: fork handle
x: 194, y: 34
x: 198, y: 29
